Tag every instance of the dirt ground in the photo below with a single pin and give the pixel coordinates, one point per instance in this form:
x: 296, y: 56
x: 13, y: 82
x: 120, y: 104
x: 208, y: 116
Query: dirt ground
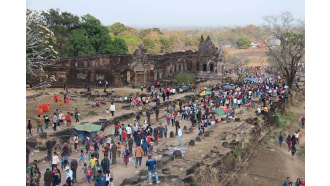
x: 271, y: 164
x: 119, y: 171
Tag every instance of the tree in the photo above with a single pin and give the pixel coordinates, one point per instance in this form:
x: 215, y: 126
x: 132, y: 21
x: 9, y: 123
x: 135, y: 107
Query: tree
x: 61, y: 23
x: 117, y: 28
x: 132, y: 42
x: 91, y: 37
x: 243, y: 42
x: 291, y: 51
x: 79, y: 43
x: 39, y: 52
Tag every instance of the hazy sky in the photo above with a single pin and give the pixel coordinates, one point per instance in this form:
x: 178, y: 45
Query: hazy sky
x: 175, y: 13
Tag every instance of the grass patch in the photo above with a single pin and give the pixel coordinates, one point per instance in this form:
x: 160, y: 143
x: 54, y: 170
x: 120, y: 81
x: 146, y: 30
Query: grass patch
x: 279, y: 121
x: 195, y: 182
x: 92, y: 113
x: 302, y: 150
x: 290, y: 116
x: 294, y: 104
x: 237, y: 151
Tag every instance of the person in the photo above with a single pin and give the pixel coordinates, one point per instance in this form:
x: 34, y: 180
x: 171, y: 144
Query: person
x: 119, y: 149
x: 302, y: 122
x: 29, y: 127
x: 125, y: 154
x: 39, y: 124
x: 151, y: 145
x: 289, y: 141
x: 54, y: 121
x: 97, y: 167
x: 105, y: 163
x: 179, y: 135
x: 145, y: 147
x: 165, y: 131
x: 100, y: 181
x: 68, y: 119
x: 56, y: 177
x: 107, y: 178
x: 112, y: 109
x: 76, y: 114
x: 293, y: 150
x: 129, y: 131
x: 90, y: 150
x: 138, y: 155
x: 84, y: 169
x: 68, y: 175
x: 280, y: 139
x: 296, y: 134
x: 75, y: 140
x: 55, y: 160
x: 46, y: 121
x: 151, y: 164
x: 302, y: 181
x: 89, y: 175
x: 298, y: 182
x: 287, y: 182
x: 100, y: 83
x: 92, y: 160
x: 111, y: 182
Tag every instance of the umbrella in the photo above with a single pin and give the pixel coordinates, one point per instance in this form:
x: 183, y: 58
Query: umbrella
x: 227, y: 86
x: 219, y: 111
x: 248, y: 79
x: 208, y: 92
x: 202, y: 93
x: 88, y: 127
x: 286, y: 86
x: 225, y: 109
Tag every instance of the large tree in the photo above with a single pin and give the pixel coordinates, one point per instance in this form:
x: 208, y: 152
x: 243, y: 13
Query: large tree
x: 61, y: 23
x: 39, y: 52
x: 243, y: 42
x: 291, y: 51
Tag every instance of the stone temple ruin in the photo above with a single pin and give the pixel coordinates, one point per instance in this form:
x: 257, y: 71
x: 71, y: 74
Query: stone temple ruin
x: 140, y: 67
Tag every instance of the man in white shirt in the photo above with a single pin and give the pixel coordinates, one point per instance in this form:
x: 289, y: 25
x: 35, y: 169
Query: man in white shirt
x: 129, y: 131
x: 179, y: 135
x: 55, y: 160
x: 112, y: 109
x: 296, y: 134
x: 68, y: 174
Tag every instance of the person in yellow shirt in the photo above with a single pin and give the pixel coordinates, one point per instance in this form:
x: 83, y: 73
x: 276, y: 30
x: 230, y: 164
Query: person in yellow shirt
x: 60, y: 101
x: 92, y: 160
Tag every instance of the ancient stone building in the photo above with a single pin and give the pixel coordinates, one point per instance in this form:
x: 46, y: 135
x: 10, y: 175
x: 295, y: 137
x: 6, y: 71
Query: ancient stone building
x: 140, y: 67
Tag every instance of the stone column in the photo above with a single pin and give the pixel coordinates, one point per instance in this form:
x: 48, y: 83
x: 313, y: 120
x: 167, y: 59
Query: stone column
x: 130, y: 145
x: 114, y: 153
x: 74, y: 167
x: 27, y: 155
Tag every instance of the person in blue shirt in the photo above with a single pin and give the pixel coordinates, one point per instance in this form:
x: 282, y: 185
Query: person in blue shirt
x: 280, y: 139
x: 151, y: 163
x: 100, y: 181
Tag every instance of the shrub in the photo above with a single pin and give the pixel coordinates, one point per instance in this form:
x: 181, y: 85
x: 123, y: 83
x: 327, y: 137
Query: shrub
x: 92, y: 113
x: 185, y: 78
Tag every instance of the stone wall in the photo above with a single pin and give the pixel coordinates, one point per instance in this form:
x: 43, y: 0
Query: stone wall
x: 138, y: 68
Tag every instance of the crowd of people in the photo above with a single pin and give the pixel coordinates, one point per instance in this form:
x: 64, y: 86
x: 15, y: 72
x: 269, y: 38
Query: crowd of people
x: 200, y: 111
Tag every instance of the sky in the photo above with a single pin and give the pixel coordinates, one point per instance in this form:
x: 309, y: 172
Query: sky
x: 175, y: 13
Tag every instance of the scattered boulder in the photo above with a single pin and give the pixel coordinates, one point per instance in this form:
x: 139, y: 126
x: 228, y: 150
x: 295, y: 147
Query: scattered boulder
x: 207, y: 134
x: 166, y: 171
x: 193, y: 168
x: 188, y: 179
x: 198, y: 138
x: 191, y: 142
x: 42, y: 147
x: 184, y: 127
x: 177, y: 154
x: 171, y: 134
x: 32, y: 142
x: 43, y: 135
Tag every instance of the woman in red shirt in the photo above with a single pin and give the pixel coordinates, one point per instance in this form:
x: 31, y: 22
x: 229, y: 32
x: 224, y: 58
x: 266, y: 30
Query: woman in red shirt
x: 123, y: 135
x: 68, y: 119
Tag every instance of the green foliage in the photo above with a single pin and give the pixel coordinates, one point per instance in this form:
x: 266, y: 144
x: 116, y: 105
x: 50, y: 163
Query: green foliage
x: 185, y: 78
x: 237, y: 151
x: 92, y: 113
x: 132, y: 42
x: 243, y: 42
x: 228, y: 161
x: 195, y: 182
x: 220, y: 39
x: 279, y: 121
x: 302, y: 150
x: 167, y: 43
x: 117, y: 28
x: 290, y: 116
x: 293, y: 103
x: 79, y: 43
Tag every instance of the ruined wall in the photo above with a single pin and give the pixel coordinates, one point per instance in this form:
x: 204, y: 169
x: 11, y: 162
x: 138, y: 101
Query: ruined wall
x: 138, y: 68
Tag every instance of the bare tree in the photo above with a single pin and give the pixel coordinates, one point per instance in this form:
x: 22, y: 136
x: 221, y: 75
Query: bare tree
x: 38, y: 50
x: 291, y: 51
